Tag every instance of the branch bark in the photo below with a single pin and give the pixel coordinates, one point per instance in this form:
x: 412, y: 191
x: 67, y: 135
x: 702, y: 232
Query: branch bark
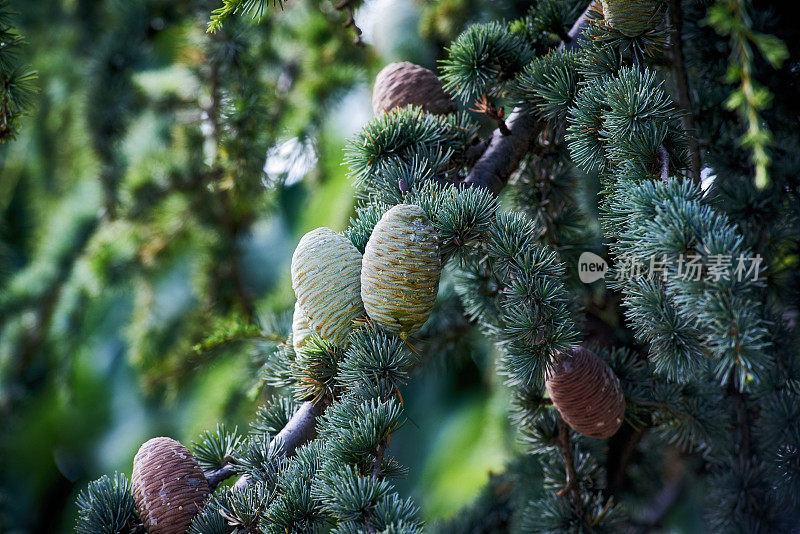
x: 682, y: 88
x: 576, y: 32
x: 662, y: 504
x: 215, y: 478
x: 505, y: 151
x: 300, y: 429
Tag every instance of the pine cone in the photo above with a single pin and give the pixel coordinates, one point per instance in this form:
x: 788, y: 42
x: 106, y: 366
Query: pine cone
x: 400, y: 271
x: 300, y: 328
x: 326, y: 277
x: 586, y: 393
x: 168, y: 486
x: 402, y: 84
x: 631, y: 17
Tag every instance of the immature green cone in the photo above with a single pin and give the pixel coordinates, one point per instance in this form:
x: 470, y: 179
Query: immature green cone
x: 586, y: 393
x: 326, y: 277
x: 300, y: 328
x: 168, y: 486
x: 400, y: 271
x: 403, y: 84
x: 631, y: 17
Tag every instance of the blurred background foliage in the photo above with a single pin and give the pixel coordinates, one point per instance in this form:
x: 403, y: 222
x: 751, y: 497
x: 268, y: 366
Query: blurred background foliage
x: 154, y: 195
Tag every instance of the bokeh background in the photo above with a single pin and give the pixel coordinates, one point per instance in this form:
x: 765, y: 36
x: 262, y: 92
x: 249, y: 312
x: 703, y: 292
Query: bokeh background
x: 154, y: 196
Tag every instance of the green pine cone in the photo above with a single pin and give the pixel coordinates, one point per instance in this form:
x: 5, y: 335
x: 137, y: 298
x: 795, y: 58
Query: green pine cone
x: 300, y: 328
x: 326, y: 277
x: 631, y: 17
x: 400, y: 271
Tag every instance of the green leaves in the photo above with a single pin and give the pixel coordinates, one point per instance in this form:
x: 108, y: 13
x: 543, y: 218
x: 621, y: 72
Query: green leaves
x: 256, y: 8
x: 105, y: 506
x: 462, y: 215
x: 274, y: 415
x: 730, y: 17
x: 376, y: 364
x: 216, y: 448
x: 548, y: 85
x: 481, y: 60
x: 408, y: 144
x: 17, y: 81
x: 685, y: 315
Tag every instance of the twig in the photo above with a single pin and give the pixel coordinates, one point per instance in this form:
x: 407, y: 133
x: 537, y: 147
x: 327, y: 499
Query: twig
x: 351, y: 21
x: 621, y: 447
x: 682, y: 88
x: 569, y: 464
x: 743, y: 420
x: 487, y: 107
x: 379, y: 453
x: 215, y: 478
x: 664, y: 156
x: 505, y: 151
x: 376, y: 472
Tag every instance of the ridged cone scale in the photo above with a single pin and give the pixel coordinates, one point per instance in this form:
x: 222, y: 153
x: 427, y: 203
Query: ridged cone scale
x: 631, y: 17
x: 326, y: 278
x: 404, y: 84
x: 400, y: 270
x: 300, y: 328
x: 586, y: 393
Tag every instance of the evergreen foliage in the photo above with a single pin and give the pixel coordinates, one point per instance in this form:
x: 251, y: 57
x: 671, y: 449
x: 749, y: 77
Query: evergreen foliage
x: 17, y: 80
x: 106, y: 505
x: 708, y: 364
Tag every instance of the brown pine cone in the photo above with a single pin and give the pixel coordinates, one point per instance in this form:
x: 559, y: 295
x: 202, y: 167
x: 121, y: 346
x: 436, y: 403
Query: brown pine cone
x: 403, y: 84
x: 168, y: 486
x: 587, y: 394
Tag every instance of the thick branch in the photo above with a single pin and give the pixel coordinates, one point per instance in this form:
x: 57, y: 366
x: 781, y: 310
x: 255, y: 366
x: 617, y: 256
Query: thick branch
x: 505, y: 151
x: 576, y: 32
x: 662, y: 504
x: 682, y: 88
x: 300, y: 429
x: 351, y: 21
x: 215, y: 478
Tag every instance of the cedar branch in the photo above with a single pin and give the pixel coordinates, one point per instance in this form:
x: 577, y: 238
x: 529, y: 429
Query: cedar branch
x: 505, y: 151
